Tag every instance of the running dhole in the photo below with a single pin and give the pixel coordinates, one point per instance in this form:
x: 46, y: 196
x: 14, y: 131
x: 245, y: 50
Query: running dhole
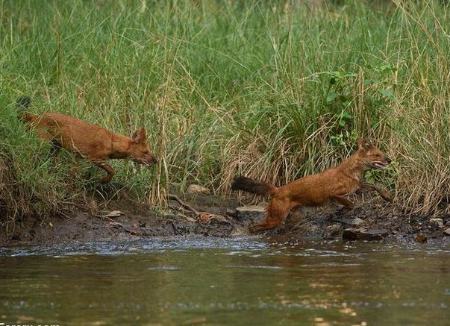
x: 317, y: 189
x: 89, y: 141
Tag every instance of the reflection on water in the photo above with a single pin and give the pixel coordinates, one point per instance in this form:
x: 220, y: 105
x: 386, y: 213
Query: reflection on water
x: 219, y: 281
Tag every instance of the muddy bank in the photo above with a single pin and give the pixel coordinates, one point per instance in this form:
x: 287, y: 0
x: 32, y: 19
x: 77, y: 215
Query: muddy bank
x: 371, y: 219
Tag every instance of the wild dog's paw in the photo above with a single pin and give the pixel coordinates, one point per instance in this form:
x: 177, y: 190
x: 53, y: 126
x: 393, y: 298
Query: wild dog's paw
x: 257, y: 228
x: 254, y: 228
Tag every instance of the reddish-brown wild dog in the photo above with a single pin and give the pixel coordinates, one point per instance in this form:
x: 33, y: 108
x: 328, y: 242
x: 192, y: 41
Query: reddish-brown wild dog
x: 315, y: 190
x: 87, y: 140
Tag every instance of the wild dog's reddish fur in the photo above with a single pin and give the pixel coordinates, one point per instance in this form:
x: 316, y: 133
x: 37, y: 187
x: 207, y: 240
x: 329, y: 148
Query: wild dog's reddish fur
x: 90, y: 141
x: 317, y: 189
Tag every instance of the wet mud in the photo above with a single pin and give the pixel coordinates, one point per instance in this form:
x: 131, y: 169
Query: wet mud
x: 371, y: 220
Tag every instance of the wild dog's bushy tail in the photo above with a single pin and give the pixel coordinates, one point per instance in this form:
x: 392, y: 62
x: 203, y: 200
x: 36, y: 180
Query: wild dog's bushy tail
x: 252, y: 186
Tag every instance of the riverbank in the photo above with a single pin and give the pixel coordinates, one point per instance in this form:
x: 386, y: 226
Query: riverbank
x: 371, y: 219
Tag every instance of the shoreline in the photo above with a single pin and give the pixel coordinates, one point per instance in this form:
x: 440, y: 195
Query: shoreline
x: 370, y: 220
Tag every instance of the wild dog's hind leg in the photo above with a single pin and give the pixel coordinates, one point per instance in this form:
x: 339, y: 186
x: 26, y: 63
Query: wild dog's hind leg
x: 54, y: 150
x: 109, y: 170
x: 277, y: 211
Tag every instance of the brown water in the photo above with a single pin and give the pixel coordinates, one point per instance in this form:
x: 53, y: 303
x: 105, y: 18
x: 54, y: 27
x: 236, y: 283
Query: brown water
x: 206, y: 281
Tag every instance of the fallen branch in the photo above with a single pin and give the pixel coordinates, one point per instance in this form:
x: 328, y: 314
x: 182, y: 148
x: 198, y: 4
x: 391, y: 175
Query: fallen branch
x: 183, y: 204
x: 202, y: 217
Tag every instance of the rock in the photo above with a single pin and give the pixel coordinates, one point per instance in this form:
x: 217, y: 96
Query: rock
x: 239, y: 231
x: 350, y: 221
x: 113, y: 214
x: 364, y: 234
x: 438, y: 222
x: 197, y: 189
x: 313, y: 229
x: 447, y: 231
x: 205, y: 218
x: 251, y: 213
x: 357, y: 221
x: 437, y: 234
x: 332, y: 231
x: 421, y: 238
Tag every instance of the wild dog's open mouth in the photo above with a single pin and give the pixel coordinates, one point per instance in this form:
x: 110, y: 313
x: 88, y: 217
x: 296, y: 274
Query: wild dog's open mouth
x: 379, y: 164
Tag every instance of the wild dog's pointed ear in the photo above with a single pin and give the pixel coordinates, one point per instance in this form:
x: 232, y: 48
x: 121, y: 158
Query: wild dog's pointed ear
x: 363, y: 144
x: 139, y: 136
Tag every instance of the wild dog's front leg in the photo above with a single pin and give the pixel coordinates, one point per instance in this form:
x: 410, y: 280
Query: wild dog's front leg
x: 54, y: 150
x: 277, y: 211
x: 382, y: 192
x: 109, y: 170
x: 344, y: 201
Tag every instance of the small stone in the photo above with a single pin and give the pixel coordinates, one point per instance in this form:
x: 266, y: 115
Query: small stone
x: 197, y: 189
x: 204, y: 218
x: 250, y: 213
x: 421, y: 238
x: 447, y: 231
x: 113, y: 214
x: 436, y: 234
x: 357, y: 221
x: 231, y: 212
x: 332, y: 231
x: 313, y: 229
x: 239, y: 231
x: 437, y: 222
x: 350, y: 221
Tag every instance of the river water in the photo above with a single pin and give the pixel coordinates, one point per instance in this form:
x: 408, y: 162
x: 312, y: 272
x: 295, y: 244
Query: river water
x: 212, y: 281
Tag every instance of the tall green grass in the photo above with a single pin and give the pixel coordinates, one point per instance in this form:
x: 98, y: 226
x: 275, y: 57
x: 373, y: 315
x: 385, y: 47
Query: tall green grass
x: 270, y: 89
